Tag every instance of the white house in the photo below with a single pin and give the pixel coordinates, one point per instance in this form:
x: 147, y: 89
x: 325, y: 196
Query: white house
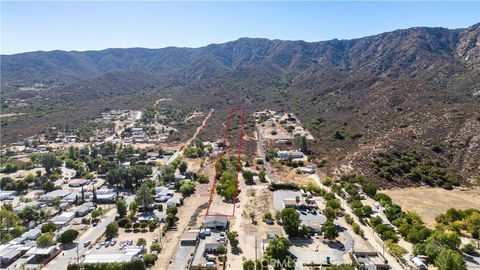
x: 63, y: 219
x: 216, y: 222
x: 50, y: 196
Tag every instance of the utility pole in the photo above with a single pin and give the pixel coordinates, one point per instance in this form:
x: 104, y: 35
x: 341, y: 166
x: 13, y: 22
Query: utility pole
x: 256, y: 253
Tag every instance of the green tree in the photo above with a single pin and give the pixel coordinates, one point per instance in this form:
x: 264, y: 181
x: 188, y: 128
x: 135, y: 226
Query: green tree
x: 334, y: 204
x: 301, y: 142
x: 248, y: 265
x: 187, y: 188
x: 29, y: 214
x: 278, y: 249
x: 473, y: 224
x: 248, y: 176
x: 290, y: 221
x: 202, y: 178
x: 330, y: 213
x: 449, y: 259
x: 49, y: 227
x: 226, y: 186
x: 182, y: 167
x: 50, y: 162
x: 155, y: 247
x: 121, y: 208
x: 220, y: 249
x: 141, y: 241
x: 111, y: 230
x: 46, y: 239
x: 11, y: 225
x: 233, y: 238
x: 149, y: 259
x: 68, y: 236
x: 30, y: 178
x: 370, y: 189
x: 261, y: 177
x: 133, y: 208
x: 469, y: 248
x: 96, y: 213
x: 267, y: 216
x: 57, y: 201
x: 144, y: 196
x: 329, y: 230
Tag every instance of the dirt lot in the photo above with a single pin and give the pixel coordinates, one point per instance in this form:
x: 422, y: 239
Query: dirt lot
x: 431, y: 202
x: 290, y: 175
x: 257, y: 199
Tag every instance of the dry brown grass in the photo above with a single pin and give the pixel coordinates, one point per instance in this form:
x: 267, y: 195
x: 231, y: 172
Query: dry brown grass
x: 431, y: 202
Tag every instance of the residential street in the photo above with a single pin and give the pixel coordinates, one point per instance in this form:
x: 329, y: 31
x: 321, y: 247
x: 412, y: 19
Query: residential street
x: 63, y: 259
x: 374, y: 240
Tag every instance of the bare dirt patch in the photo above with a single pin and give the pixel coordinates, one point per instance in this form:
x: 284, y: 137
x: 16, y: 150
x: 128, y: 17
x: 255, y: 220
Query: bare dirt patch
x: 431, y: 202
x: 290, y: 175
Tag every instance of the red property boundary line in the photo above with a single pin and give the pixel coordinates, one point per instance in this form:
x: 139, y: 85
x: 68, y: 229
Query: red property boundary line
x: 239, y: 153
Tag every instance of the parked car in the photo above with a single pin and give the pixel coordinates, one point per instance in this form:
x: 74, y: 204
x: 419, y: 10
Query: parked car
x: 113, y: 242
x: 210, y: 265
x: 87, y: 243
x: 99, y: 246
x: 107, y: 243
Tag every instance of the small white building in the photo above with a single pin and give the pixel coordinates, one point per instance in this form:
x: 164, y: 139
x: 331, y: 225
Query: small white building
x: 32, y: 234
x: 75, y: 183
x: 50, y: 196
x: 216, y: 221
x: 173, y: 202
x: 290, y: 154
x: 63, y: 219
x: 7, y: 195
x: 308, y: 169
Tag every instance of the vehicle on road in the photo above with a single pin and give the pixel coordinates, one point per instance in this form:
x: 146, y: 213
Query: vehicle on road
x: 87, y: 243
x: 209, y: 265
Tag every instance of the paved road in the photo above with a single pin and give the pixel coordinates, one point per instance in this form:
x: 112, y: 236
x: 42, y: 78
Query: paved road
x: 374, y: 240
x: 62, y: 261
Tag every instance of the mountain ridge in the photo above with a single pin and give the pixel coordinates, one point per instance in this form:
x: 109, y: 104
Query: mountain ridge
x: 407, y: 89
x: 278, y: 55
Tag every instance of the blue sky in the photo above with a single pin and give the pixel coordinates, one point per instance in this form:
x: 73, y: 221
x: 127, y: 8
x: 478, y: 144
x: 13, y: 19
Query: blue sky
x: 31, y: 26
